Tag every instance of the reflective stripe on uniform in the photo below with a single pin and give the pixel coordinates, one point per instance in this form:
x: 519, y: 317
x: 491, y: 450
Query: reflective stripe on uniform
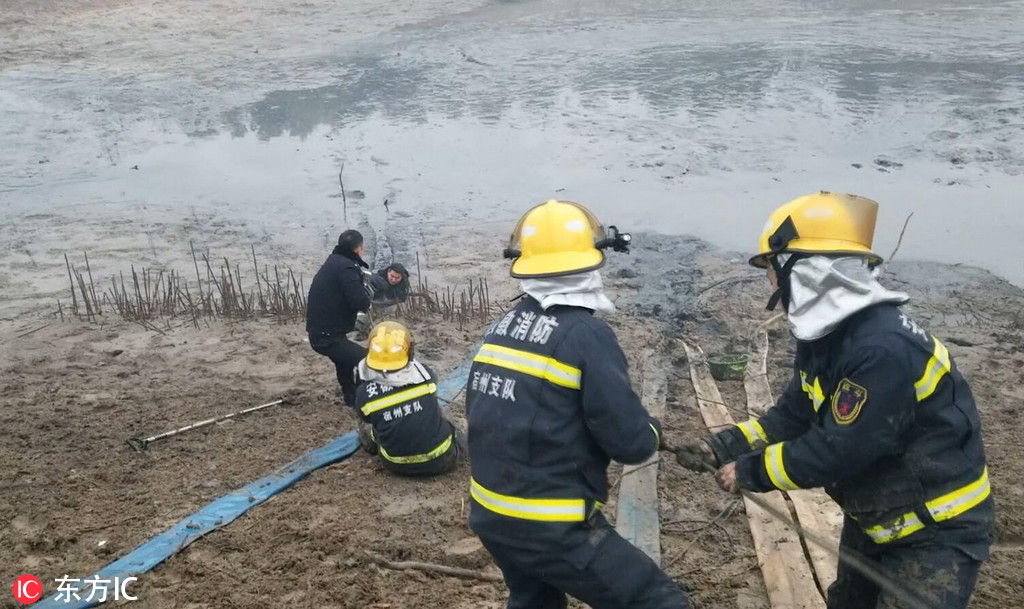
x: 776, y: 468
x: 938, y: 366
x: 901, y: 527
x: 548, y: 510
x: 441, y: 449
x: 814, y: 392
x: 397, y: 398
x: 753, y: 432
x: 540, y: 366
x: 942, y: 508
x: 953, y: 504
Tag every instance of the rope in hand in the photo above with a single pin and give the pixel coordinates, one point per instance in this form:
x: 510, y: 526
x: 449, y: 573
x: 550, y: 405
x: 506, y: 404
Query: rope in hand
x: 854, y: 560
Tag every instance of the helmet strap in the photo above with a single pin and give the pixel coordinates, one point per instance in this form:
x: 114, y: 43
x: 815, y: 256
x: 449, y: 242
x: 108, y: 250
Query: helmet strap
x: 778, y: 242
x: 782, y: 273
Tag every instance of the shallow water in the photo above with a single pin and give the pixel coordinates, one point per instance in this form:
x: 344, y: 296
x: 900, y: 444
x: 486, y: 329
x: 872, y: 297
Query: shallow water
x: 683, y: 120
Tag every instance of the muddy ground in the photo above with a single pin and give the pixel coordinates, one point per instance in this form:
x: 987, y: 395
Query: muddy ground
x: 74, y: 392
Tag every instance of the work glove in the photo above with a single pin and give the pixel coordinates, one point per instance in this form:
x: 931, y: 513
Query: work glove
x: 697, y: 456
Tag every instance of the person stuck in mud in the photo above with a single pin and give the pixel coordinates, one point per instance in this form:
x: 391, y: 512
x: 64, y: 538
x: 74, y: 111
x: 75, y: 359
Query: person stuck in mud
x: 397, y: 401
x: 549, y: 404
x: 336, y: 295
x: 877, y: 413
x: 390, y: 285
x: 387, y: 287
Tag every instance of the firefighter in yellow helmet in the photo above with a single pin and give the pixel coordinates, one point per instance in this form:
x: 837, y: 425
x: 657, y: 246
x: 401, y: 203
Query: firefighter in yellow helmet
x: 549, y: 404
x: 877, y: 413
x: 397, y: 401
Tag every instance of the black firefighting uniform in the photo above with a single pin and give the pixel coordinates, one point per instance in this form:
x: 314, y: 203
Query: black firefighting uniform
x: 549, y: 403
x: 878, y: 414
x: 413, y: 437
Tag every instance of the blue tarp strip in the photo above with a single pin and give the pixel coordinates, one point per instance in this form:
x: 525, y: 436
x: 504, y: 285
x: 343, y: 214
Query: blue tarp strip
x: 216, y: 514
x: 454, y: 383
x: 226, y: 509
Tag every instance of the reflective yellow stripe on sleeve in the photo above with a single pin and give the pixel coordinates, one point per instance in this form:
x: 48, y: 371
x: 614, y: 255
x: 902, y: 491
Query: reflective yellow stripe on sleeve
x: 398, y: 397
x: 547, y: 510
x: 938, y: 366
x: 814, y: 392
x: 540, y: 366
x: 945, y: 507
x: 754, y: 433
x: 776, y: 468
x: 441, y: 449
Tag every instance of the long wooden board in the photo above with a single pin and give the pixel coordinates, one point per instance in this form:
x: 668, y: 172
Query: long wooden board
x: 780, y: 553
x: 815, y: 511
x: 637, y: 518
x: 755, y: 382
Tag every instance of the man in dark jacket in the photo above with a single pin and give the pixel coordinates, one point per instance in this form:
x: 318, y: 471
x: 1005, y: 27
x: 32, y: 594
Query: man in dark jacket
x: 549, y: 404
x: 877, y: 413
x: 336, y: 294
x: 390, y: 285
x: 397, y: 400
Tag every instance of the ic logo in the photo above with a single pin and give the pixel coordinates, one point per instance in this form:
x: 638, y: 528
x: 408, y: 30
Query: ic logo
x: 27, y: 589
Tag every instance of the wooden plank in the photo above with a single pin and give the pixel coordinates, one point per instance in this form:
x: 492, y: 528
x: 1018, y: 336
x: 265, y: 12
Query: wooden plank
x: 818, y: 514
x: 780, y: 553
x: 815, y: 511
x: 637, y: 518
x: 755, y: 382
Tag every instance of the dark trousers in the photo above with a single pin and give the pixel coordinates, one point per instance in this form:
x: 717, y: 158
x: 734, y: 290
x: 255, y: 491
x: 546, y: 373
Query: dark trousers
x: 441, y: 465
x: 346, y: 356
x: 605, y: 571
x: 941, y: 577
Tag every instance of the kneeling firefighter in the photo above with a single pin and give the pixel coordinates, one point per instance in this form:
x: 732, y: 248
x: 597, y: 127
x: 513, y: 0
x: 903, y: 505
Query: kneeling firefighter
x: 397, y: 400
x: 877, y: 413
x: 549, y: 403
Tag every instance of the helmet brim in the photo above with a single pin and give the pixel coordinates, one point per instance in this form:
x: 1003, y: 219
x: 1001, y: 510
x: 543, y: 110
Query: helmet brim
x: 762, y: 260
x: 557, y: 265
x: 386, y: 364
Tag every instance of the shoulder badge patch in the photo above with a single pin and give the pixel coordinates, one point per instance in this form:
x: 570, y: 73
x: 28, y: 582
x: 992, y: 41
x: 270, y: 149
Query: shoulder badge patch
x: 847, y: 401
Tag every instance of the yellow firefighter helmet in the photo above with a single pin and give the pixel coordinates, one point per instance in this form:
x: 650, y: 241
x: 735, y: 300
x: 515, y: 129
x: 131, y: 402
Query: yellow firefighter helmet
x: 389, y: 347
x: 821, y: 223
x: 556, y: 238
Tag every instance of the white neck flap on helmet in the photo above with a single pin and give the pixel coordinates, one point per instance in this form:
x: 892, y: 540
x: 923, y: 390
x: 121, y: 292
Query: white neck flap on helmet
x: 580, y: 290
x: 825, y: 290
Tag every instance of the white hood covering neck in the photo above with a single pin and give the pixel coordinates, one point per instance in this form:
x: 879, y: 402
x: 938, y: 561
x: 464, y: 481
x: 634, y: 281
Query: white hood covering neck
x: 582, y: 290
x: 412, y: 374
x: 825, y: 291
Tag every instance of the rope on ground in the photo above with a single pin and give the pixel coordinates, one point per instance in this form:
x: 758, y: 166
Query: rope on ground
x: 725, y: 514
x: 432, y: 568
x: 727, y: 280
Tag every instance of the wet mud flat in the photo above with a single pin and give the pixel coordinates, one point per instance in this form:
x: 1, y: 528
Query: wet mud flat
x: 76, y: 391
x: 134, y: 128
